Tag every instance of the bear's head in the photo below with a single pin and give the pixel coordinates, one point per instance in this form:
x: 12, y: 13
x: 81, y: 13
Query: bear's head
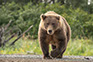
x: 50, y: 23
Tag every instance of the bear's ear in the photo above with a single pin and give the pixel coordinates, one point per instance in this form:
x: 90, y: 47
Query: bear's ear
x: 58, y: 17
x: 43, y: 16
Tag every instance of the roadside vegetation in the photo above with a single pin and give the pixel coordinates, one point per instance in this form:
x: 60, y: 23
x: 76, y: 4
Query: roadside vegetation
x: 78, y: 47
x: 24, y: 13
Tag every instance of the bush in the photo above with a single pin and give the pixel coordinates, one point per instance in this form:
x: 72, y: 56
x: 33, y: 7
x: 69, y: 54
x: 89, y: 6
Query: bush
x: 23, y: 16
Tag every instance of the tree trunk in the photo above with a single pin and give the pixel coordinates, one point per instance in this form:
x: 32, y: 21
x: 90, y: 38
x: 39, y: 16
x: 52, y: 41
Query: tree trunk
x: 1, y: 35
x: 53, y: 1
x: 60, y: 1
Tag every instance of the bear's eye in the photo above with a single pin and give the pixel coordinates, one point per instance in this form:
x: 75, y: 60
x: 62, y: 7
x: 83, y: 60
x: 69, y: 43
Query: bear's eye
x: 47, y: 23
x: 53, y: 23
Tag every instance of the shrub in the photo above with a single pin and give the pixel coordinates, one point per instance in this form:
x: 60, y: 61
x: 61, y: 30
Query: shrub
x: 80, y: 21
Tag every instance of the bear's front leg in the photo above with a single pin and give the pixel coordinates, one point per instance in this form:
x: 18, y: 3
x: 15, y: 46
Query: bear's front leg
x: 58, y: 52
x: 54, y: 53
x: 45, y: 49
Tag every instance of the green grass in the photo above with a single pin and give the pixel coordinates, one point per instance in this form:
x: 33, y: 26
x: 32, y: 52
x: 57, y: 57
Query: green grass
x: 81, y: 47
x: 76, y: 47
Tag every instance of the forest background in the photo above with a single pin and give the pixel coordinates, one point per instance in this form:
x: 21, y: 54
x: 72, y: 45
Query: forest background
x: 24, y: 13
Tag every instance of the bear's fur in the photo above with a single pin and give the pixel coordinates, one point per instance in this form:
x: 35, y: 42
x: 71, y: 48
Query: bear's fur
x: 54, y: 30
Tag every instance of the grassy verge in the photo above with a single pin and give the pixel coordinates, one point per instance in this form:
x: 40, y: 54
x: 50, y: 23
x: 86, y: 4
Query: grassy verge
x: 25, y: 46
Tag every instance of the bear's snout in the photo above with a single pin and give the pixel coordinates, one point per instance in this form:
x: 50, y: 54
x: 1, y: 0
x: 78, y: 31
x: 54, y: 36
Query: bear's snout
x: 50, y: 31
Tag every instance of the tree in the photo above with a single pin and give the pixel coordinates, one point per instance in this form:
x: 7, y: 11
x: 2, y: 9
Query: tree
x: 61, y: 1
x: 76, y: 3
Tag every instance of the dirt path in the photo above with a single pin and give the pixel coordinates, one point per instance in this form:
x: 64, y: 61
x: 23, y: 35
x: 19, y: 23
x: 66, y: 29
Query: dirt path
x: 38, y: 58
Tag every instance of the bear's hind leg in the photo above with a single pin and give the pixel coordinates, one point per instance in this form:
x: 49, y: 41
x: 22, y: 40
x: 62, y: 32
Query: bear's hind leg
x: 53, y: 47
x: 58, y: 52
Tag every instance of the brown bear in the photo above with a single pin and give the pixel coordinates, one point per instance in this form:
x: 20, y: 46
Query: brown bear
x: 54, y: 30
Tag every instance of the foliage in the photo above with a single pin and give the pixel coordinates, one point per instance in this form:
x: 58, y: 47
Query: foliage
x: 27, y: 12
x: 23, y: 16
x: 78, y: 47
x: 26, y: 46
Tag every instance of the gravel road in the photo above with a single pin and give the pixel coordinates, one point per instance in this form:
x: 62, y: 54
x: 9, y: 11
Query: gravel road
x: 38, y: 58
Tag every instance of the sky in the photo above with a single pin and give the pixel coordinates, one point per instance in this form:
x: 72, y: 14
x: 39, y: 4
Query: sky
x: 89, y: 2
